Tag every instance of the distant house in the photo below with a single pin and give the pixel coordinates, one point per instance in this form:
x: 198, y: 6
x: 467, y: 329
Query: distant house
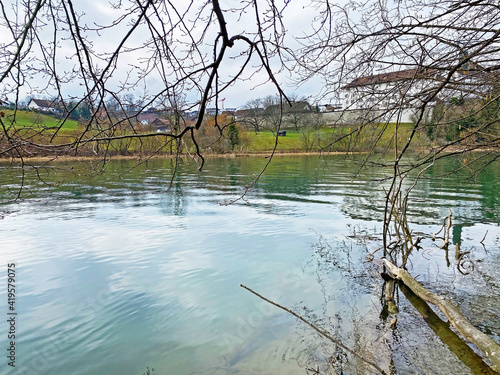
x: 242, y: 113
x: 473, y: 81
x: 295, y: 107
x: 161, y: 125
x: 42, y: 105
x: 146, y: 118
x: 386, y: 91
x: 300, y: 106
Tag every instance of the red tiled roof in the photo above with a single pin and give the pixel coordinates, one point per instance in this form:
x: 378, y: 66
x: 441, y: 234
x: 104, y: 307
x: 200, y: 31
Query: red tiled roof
x: 390, y: 77
x: 160, y: 122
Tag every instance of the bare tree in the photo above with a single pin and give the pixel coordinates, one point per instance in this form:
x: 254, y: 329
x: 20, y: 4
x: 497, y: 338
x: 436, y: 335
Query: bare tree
x: 252, y: 114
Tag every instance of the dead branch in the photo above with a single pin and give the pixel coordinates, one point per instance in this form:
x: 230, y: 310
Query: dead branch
x: 447, y: 223
x: 457, y: 251
x: 317, y: 329
x: 389, y: 290
x: 482, y: 241
x: 442, y: 329
x: 440, y: 229
x: 482, y: 341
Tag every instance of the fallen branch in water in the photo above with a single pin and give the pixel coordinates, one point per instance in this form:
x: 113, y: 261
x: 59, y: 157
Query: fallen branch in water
x: 447, y: 227
x: 482, y: 241
x: 442, y: 329
x: 482, y: 341
x: 317, y: 329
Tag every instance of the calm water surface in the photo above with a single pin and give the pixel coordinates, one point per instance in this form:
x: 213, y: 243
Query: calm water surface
x: 116, y: 274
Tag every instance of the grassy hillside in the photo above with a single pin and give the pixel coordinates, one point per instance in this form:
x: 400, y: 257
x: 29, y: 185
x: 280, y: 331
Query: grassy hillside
x: 30, y: 119
x: 379, y: 137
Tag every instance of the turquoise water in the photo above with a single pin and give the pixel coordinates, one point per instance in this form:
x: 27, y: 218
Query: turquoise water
x: 116, y: 272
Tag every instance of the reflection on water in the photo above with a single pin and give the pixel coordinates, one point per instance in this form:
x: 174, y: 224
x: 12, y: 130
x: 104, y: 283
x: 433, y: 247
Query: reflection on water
x: 117, y: 272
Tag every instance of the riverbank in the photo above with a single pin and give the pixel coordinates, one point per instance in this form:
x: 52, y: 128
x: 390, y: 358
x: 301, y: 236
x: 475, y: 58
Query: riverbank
x: 140, y: 157
x: 228, y: 155
x: 67, y: 144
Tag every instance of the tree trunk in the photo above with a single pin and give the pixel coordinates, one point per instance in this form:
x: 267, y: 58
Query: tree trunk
x: 482, y: 341
x: 442, y: 329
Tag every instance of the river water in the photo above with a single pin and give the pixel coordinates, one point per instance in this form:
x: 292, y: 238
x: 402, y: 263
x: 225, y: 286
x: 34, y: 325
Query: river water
x: 116, y: 273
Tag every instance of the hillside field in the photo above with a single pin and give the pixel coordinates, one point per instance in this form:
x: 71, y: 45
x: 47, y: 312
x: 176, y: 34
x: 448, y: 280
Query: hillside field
x: 31, y: 119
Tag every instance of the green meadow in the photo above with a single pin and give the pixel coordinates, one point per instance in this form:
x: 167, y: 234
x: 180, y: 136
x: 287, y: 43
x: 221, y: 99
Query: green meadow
x: 31, y: 119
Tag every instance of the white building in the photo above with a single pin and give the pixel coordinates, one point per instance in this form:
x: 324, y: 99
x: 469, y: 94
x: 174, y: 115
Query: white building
x: 393, y: 96
x: 42, y: 105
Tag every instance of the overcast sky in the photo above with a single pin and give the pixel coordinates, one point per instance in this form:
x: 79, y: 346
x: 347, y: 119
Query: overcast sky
x: 297, y: 16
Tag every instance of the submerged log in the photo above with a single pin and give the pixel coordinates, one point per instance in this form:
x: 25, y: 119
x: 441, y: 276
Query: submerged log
x: 442, y: 329
x: 390, y: 287
x: 482, y: 341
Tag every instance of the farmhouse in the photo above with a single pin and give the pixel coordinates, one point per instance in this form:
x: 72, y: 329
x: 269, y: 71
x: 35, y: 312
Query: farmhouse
x: 42, y: 105
x: 146, y: 118
x: 161, y: 125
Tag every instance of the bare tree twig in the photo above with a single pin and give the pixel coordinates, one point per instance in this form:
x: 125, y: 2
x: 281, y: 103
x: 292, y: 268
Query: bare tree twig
x: 482, y: 241
x: 317, y: 329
